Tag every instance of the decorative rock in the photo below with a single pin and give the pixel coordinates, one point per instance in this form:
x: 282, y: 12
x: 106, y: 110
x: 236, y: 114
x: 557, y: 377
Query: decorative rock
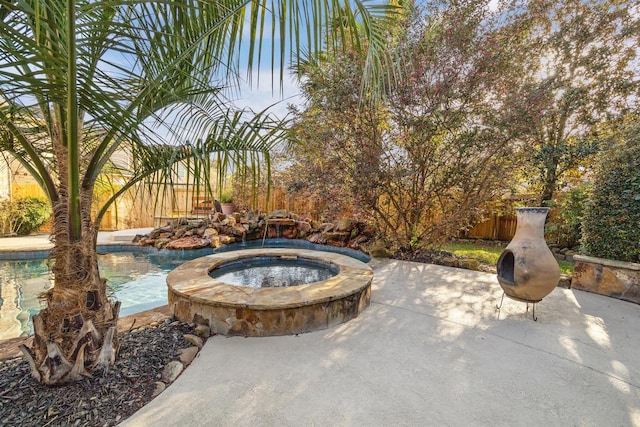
x: 469, y: 264
x: 368, y: 231
x: 449, y: 262
x: 208, y: 232
x: 379, y: 250
x: 190, y: 242
x: 565, y: 281
x: 317, y: 238
x: 345, y: 225
x: 304, y: 227
x: 325, y: 227
x: 218, y: 217
x: 202, y: 331
x: 238, y: 230
x: 160, y: 243
x: 188, y: 354
x: 290, y: 233
x: 160, y: 387
x: 171, y: 371
x: 279, y: 222
x: 215, y: 241
x: 360, y: 240
x: 280, y: 213
x: 195, y: 340
x: 337, y: 236
x: 225, y: 240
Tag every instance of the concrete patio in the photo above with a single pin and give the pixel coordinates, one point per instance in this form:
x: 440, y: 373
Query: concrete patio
x: 37, y: 242
x: 430, y: 350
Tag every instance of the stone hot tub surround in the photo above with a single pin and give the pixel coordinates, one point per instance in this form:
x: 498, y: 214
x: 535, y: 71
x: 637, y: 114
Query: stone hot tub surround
x: 246, y: 311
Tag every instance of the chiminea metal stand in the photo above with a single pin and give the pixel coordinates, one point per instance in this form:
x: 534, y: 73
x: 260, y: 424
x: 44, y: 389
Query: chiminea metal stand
x: 533, y: 304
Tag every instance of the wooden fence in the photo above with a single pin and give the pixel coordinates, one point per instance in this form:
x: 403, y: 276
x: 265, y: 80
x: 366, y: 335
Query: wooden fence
x: 495, y: 228
x: 279, y: 199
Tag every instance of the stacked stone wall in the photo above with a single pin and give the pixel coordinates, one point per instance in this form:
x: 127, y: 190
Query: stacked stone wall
x: 607, y: 277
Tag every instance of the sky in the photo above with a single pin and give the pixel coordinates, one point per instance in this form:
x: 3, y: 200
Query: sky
x: 264, y: 94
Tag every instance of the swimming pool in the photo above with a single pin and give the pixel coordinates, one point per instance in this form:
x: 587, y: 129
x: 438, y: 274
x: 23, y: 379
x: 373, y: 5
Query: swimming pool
x: 135, y: 275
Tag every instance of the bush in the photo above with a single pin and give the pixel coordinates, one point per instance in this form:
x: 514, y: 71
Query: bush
x: 564, y: 226
x: 610, y: 226
x: 23, y: 216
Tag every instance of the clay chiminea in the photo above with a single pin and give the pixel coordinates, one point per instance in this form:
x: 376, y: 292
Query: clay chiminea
x: 527, y: 270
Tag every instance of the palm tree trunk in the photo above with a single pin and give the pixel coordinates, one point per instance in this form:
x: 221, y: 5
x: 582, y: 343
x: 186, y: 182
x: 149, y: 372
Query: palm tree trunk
x: 76, y: 333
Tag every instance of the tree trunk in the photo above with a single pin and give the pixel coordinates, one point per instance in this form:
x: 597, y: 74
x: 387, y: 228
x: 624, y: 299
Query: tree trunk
x: 76, y: 333
x: 550, y: 182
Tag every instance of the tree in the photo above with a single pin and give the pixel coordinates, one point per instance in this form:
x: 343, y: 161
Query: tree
x: 84, y: 79
x: 582, y: 71
x: 336, y: 138
x: 422, y: 161
x: 453, y: 148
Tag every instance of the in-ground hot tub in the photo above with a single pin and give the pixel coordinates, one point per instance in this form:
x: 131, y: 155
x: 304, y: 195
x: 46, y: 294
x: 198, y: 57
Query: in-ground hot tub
x: 262, y: 311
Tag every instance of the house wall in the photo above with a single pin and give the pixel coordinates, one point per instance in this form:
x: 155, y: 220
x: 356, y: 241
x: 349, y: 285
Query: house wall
x: 5, y: 181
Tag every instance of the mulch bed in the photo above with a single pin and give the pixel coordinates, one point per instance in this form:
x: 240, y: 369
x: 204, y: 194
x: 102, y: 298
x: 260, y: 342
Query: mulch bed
x: 103, y: 400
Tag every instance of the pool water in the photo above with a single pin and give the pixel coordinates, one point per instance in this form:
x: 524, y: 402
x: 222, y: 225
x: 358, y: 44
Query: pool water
x: 135, y: 278
x: 273, y: 272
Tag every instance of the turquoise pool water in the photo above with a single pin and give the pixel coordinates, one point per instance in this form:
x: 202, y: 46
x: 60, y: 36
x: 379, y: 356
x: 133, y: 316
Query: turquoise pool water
x: 136, y: 278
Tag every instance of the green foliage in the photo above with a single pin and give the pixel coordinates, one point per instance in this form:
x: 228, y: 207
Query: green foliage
x: 484, y: 254
x: 23, y: 216
x: 490, y: 254
x: 565, y: 222
x: 610, y: 225
x: 226, y: 197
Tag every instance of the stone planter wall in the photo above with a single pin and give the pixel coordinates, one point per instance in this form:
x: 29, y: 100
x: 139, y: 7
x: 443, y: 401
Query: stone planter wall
x: 615, y: 279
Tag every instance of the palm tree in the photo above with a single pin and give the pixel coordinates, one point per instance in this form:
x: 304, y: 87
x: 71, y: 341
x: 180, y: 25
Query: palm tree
x: 80, y: 80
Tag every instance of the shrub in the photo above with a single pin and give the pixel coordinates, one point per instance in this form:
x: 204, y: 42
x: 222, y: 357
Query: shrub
x: 565, y: 227
x: 23, y: 216
x: 610, y: 225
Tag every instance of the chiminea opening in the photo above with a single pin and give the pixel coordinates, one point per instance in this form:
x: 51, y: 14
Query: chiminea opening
x: 505, y: 267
